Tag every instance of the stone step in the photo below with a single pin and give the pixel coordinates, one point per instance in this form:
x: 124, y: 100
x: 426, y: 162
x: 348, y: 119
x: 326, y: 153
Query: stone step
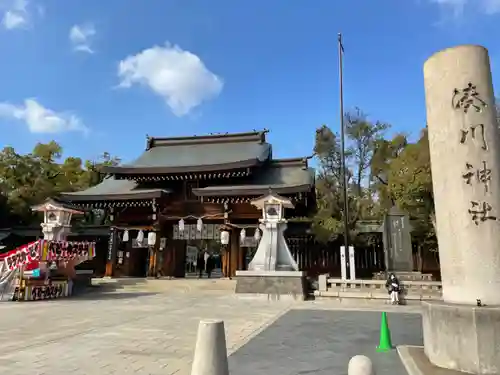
x: 366, y: 294
x: 120, y: 280
x: 167, y: 285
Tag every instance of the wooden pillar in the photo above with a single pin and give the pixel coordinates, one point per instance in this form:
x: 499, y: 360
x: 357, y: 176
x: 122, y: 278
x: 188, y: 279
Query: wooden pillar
x: 153, y: 257
x: 180, y: 258
x: 226, y: 258
x: 174, y: 258
x: 241, y: 258
x: 169, y: 251
x: 167, y: 268
x: 223, y: 261
x: 111, y: 255
x: 154, y: 252
x: 168, y: 259
x: 151, y: 261
x: 234, y: 249
x: 226, y: 252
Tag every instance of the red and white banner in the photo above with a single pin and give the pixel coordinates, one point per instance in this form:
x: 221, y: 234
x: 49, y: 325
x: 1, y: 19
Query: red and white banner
x: 31, y: 254
x: 66, y: 250
x: 22, y: 256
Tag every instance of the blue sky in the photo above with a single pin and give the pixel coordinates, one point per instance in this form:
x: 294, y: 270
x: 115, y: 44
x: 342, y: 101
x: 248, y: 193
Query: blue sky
x: 99, y: 75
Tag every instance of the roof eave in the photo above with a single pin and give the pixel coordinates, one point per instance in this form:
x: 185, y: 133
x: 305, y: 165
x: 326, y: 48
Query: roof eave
x: 131, y: 170
x: 114, y: 197
x: 252, y: 191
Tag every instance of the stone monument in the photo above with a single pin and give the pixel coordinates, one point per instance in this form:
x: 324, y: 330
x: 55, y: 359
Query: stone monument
x: 398, y: 252
x: 272, y: 273
x: 461, y: 333
x: 396, y: 232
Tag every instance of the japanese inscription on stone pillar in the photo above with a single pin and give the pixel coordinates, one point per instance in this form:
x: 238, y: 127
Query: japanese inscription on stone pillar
x: 465, y: 100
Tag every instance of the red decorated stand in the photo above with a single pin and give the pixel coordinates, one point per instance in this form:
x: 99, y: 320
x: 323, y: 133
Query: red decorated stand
x: 42, y: 269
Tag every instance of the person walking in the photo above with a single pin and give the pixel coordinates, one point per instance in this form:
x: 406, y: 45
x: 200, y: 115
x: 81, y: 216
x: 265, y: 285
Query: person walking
x: 210, y: 265
x: 200, y: 264
x: 205, y: 256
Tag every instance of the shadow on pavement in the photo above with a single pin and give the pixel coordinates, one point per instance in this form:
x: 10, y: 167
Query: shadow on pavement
x: 310, y: 342
x: 98, y: 293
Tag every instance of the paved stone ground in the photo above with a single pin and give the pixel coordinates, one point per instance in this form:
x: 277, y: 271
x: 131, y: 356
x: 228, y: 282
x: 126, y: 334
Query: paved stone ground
x: 322, y: 342
x: 125, y: 333
x: 134, y: 332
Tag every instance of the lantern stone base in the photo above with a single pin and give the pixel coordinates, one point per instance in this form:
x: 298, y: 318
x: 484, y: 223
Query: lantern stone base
x: 271, y: 285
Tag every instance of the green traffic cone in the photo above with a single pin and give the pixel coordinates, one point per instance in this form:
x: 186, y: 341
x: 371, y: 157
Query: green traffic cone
x: 385, y: 343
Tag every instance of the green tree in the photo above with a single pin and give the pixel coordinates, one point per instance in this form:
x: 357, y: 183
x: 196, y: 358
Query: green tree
x: 362, y: 138
x: 327, y: 223
x: 27, y: 180
x: 19, y: 181
x: 407, y: 183
x: 93, y: 175
x: 385, y: 153
x: 410, y: 180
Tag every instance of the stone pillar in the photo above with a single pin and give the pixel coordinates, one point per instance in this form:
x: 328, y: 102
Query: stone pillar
x: 465, y: 161
x: 461, y: 333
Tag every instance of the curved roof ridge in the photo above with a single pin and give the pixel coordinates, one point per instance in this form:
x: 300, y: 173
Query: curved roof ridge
x: 291, y: 162
x: 254, y: 136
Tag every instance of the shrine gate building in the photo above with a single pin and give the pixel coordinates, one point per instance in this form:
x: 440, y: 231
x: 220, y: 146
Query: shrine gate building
x: 177, y: 197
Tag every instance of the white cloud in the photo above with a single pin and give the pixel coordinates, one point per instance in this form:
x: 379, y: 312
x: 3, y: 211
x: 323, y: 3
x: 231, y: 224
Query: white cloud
x: 178, y: 76
x: 81, y: 37
x: 12, y: 20
x: 15, y: 14
x: 491, y: 6
x: 481, y: 6
x: 40, y: 119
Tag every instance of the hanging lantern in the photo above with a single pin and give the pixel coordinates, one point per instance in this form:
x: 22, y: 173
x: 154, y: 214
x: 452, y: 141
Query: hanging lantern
x: 199, y: 225
x: 140, y: 237
x: 224, y: 237
x: 257, y: 234
x: 181, y: 225
x: 151, y: 238
x: 125, y: 237
x: 243, y: 235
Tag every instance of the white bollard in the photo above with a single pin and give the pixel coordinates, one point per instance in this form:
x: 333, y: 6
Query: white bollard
x: 210, y: 353
x: 360, y: 365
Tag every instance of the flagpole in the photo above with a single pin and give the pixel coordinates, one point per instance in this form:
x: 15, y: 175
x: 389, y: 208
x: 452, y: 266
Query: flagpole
x: 342, y: 152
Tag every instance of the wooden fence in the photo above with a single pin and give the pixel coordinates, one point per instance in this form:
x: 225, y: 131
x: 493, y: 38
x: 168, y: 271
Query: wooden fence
x: 318, y: 258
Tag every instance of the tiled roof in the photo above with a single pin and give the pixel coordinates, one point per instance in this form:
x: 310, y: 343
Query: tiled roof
x: 198, y: 154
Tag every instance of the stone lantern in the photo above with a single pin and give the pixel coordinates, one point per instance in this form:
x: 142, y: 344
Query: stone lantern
x: 56, y: 223
x: 273, y: 253
x: 273, y: 272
